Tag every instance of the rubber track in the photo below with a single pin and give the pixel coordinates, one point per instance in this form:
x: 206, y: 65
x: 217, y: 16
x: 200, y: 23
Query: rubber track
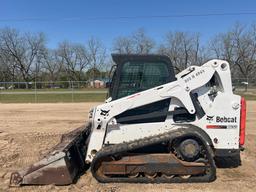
x: 118, y: 149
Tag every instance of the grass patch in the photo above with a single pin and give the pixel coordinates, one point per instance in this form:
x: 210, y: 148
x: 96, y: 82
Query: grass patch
x: 54, y: 90
x: 52, y: 98
x: 76, y: 97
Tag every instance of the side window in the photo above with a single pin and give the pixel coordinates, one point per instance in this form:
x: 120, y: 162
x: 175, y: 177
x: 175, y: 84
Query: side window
x: 136, y: 77
x: 181, y: 115
x: 130, y: 79
x: 153, y: 112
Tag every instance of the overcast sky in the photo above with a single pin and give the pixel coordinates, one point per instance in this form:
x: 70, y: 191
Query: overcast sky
x: 78, y: 20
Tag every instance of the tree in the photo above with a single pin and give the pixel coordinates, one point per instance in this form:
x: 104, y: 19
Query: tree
x: 143, y: 44
x: 23, y: 50
x: 94, y: 71
x: 97, y: 55
x: 52, y: 64
x: 183, y: 49
x: 137, y: 43
x: 123, y: 45
x: 75, y: 59
x: 7, y: 67
x: 238, y: 47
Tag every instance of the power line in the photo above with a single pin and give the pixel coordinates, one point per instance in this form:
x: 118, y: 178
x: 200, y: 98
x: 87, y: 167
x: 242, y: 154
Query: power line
x: 126, y: 17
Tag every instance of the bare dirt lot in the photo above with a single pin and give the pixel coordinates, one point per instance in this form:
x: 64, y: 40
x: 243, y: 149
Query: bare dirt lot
x: 29, y: 130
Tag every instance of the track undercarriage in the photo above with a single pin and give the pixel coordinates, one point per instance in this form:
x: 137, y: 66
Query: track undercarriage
x: 128, y: 162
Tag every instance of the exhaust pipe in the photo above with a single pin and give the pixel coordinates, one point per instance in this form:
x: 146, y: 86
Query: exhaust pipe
x: 62, y: 166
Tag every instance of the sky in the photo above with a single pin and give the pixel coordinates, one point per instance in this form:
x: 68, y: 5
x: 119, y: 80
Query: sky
x: 78, y: 20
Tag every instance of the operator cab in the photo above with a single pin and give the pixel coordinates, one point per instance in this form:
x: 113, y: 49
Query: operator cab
x: 135, y: 73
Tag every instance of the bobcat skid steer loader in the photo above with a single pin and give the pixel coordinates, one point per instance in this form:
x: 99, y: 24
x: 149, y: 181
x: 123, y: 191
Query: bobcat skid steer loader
x: 155, y: 127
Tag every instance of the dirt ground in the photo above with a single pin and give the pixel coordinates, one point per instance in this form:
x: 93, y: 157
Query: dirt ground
x: 29, y: 130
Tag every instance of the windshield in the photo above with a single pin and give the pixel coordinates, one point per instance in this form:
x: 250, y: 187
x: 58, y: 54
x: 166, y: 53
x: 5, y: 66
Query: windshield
x: 137, y: 76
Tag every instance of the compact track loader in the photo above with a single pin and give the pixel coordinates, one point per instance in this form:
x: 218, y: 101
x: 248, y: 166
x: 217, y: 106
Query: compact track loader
x: 155, y: 127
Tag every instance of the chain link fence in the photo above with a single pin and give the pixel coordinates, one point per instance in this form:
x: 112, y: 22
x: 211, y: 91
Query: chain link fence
x: 244, y: 84
x: 78, y: 91
x: 59, y: 91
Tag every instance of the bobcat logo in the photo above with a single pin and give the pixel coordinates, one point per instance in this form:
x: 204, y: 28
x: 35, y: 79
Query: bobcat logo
x: 209, y: 118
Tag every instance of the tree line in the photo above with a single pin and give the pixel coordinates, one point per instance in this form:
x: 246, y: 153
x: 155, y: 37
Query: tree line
x: 25, y: 56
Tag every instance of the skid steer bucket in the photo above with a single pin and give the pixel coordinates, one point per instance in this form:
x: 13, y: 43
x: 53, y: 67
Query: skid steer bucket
x: 61, y: 166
